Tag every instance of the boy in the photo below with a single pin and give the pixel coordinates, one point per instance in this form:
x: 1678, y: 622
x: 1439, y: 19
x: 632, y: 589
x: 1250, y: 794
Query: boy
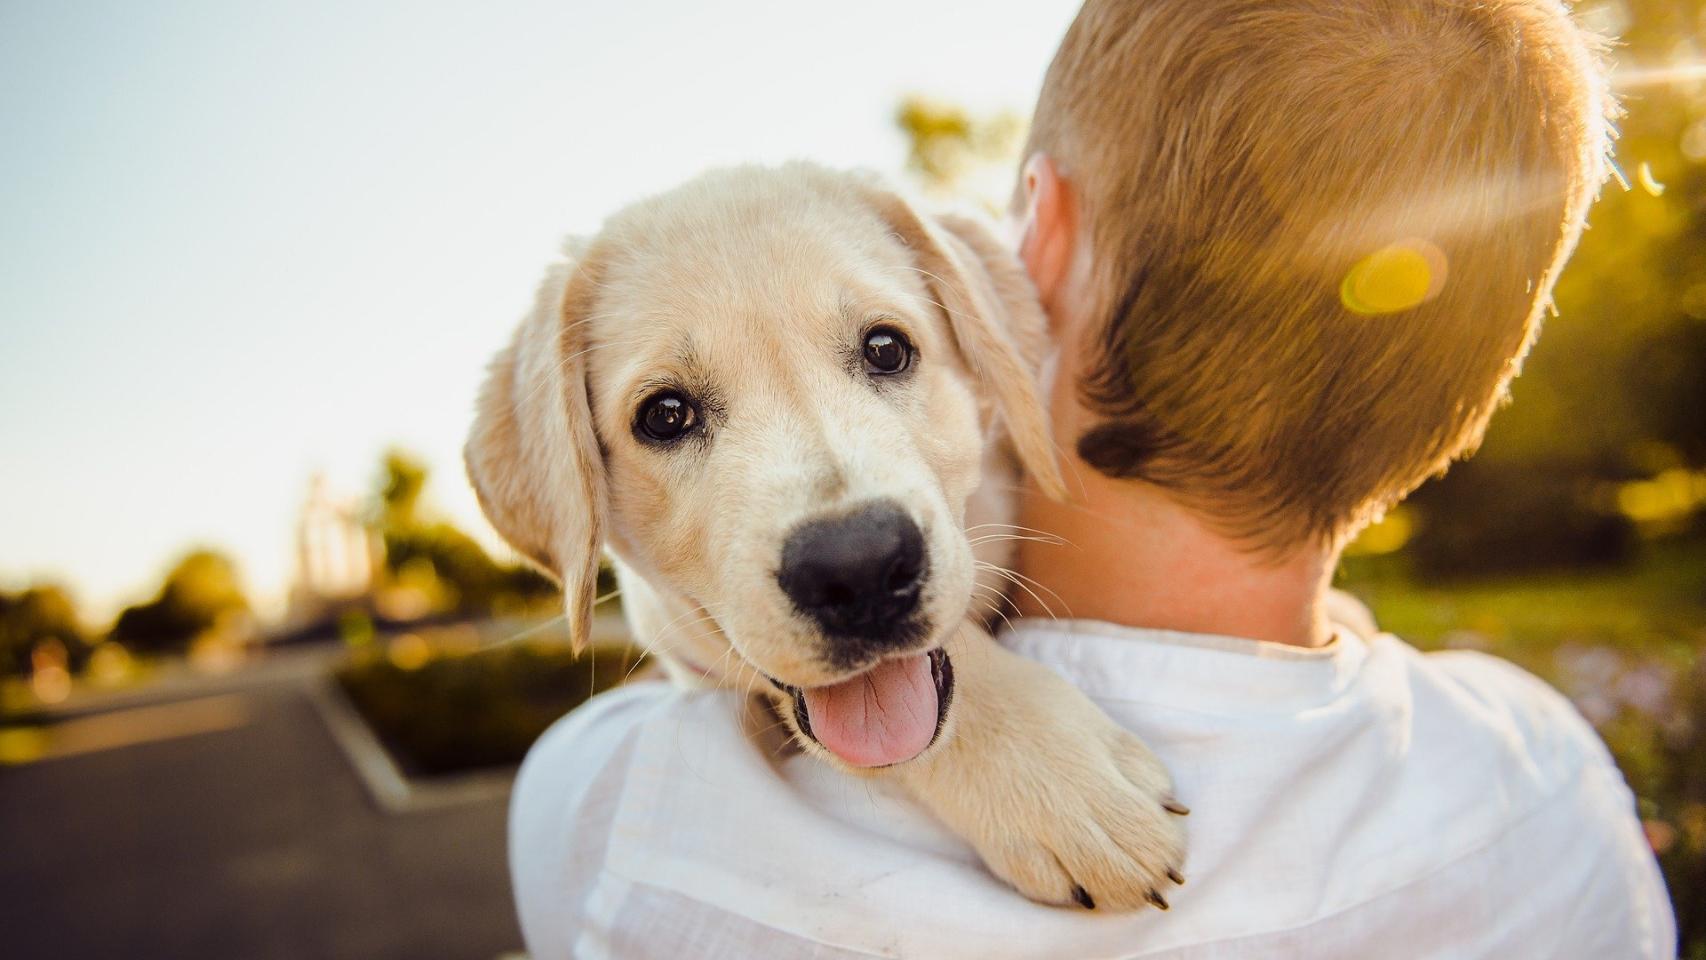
x: 1293, y: 252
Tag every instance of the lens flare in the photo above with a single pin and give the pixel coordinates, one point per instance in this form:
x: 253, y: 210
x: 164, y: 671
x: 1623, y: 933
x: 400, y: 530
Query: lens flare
x: 1644, y: 177
x: 1394, y: 278
x: 1640, y: 78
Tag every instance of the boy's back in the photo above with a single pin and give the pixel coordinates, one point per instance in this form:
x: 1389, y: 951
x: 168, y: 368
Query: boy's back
x: 1366, y: 801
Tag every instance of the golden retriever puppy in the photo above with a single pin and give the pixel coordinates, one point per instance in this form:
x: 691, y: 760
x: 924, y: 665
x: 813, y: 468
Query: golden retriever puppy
x: 792, y: 409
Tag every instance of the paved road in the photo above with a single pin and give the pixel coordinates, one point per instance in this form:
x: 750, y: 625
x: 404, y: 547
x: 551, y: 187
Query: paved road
x: 251, y: 839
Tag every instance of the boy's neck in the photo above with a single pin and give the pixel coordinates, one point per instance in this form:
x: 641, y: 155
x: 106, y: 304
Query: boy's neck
x: 1131, y: 556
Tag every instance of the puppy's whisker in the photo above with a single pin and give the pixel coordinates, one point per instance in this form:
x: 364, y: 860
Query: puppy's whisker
x: 629, y: 675
x: 541, y: 627
x: 720, y: 669
x: 678, y: 624
x: 1016, y: 526
x: 526, y: 632
x: 778, y: 725
x: 1117, y: 521
x: 704, y: 612
x: 993, y: 600
x: 927, y: 299
x: 951, y: 313
x: 1042, y: 586
x: 562, y: 366
x: 1016, y: 580
x: 994, y: 608
x: 663, y: 631
x: 992, y: 537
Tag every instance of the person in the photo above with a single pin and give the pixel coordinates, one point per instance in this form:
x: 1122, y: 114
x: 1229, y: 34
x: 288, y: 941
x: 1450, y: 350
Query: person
x: 1292, y: 253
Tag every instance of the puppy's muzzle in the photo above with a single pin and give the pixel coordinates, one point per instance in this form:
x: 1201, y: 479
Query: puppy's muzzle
x: 859, y: 577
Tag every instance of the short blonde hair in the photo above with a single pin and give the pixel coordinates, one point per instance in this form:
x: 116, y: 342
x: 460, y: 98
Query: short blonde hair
x: 1322, y: 233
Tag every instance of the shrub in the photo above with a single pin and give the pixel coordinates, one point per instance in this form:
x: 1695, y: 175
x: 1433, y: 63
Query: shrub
x: 458, y: 710
x: 1489, y: 517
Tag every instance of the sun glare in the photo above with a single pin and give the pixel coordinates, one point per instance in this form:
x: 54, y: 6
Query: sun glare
x: 1640, y: 78
x: 1394, y: 278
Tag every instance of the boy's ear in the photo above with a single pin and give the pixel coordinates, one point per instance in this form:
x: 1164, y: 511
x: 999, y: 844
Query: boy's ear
x: 532, y: 455
x: 1049, y: 230
x: 996, y: 321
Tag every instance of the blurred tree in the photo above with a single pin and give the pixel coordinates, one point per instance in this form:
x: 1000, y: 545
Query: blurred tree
x: 1615, y: 383
x: 954, y: 153
x: 200, y: 591
x: 402, y: 478
x: 436, y: 559
x: 38, y: 615
x: 1485, y: 517
x: 1615, y: 390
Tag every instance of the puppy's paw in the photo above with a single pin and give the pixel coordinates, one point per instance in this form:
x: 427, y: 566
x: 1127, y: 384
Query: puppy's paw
x: 1095, y: 826
x: 1058, y: 800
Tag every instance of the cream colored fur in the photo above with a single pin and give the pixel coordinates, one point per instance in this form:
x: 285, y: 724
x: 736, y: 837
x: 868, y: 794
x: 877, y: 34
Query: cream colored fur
x: 754, y: 286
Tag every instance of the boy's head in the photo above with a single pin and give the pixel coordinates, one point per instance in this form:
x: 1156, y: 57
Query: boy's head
x: 1321, y: 235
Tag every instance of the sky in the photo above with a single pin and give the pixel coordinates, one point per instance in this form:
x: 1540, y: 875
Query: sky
x: 242, y: 242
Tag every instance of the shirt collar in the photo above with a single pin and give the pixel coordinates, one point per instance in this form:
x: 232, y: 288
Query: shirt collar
x: 1192, y: 671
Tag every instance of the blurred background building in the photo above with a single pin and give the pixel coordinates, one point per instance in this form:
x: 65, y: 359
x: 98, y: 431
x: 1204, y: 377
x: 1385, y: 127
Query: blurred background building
x: 337, y: 552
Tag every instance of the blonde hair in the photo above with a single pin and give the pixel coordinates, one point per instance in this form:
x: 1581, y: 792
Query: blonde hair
x: 1322, y: 233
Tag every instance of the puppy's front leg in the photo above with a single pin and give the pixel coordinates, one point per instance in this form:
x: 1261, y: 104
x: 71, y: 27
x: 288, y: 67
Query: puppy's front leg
x: 1057, y: 799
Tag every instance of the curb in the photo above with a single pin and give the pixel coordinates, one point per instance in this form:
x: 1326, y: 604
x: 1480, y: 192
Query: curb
x: 391, y: 790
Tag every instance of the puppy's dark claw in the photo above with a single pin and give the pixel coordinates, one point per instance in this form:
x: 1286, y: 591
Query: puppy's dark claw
x: 1173, y: 806
x: 1156, y: 899
x: 1083, y: 897
x: 1175, y: 876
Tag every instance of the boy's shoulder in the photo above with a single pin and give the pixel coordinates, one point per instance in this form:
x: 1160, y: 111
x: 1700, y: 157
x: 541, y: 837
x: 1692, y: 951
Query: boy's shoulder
x: 587, y: 754
x: 568, y: 799
x: 1523, y: 715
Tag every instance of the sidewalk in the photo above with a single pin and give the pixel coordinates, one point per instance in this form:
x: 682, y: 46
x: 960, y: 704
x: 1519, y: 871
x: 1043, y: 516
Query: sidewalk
x: 242, y: 832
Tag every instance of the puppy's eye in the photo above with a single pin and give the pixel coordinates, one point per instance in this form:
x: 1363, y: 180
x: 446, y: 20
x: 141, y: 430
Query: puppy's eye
x: 667, y: 417
x: 887, y: 352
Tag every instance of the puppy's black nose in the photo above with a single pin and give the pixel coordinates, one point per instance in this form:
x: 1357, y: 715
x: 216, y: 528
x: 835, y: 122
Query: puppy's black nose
x: 858, y: 575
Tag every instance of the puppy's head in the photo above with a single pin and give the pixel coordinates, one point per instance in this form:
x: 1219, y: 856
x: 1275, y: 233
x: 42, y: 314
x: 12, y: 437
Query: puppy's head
x: 768, y: 392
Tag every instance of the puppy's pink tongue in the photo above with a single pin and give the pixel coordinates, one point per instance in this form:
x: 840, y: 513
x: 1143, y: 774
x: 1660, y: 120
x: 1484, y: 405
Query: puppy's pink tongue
x: 885, y: 715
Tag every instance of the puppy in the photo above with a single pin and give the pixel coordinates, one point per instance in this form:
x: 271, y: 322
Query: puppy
x: 792, y: 409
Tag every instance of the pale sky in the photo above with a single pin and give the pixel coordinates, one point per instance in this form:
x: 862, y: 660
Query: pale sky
x: 244, y: 241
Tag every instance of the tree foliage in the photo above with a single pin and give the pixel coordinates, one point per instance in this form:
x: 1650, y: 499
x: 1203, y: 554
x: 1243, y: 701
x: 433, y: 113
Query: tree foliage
x: 1616, y: 381
x: 464, y: 579
x: 37, y: 615
x: 200, y: 590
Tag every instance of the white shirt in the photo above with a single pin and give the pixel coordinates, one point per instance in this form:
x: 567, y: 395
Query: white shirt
x: 1361, y: 800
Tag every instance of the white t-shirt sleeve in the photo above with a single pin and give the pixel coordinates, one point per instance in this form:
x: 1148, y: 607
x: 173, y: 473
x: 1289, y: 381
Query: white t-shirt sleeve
x: 1620, y: 895
x: 578, y: 804
x: 561, y: 808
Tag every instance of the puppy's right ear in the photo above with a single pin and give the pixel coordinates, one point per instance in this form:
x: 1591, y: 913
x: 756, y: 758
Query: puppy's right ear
x: 992, y: 310
x: 532, y: 455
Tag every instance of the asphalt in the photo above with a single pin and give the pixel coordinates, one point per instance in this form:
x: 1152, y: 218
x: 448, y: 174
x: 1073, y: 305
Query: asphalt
x: 242, y: 833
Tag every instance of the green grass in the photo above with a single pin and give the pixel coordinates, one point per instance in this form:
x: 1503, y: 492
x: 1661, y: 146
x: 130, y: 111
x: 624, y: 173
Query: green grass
x: 1653, y: 608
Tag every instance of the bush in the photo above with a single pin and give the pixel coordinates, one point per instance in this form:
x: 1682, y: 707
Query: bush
x: 455, y: 711
x: 1488, y: 517
x: 39, y: 615
x: 200, y: 591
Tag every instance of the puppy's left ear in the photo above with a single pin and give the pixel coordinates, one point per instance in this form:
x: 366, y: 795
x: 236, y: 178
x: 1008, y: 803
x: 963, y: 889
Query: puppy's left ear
x: 532, y: 455
x: 995, y: 318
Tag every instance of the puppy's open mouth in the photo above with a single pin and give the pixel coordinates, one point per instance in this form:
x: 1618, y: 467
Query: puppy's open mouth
x: 888, y: 714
